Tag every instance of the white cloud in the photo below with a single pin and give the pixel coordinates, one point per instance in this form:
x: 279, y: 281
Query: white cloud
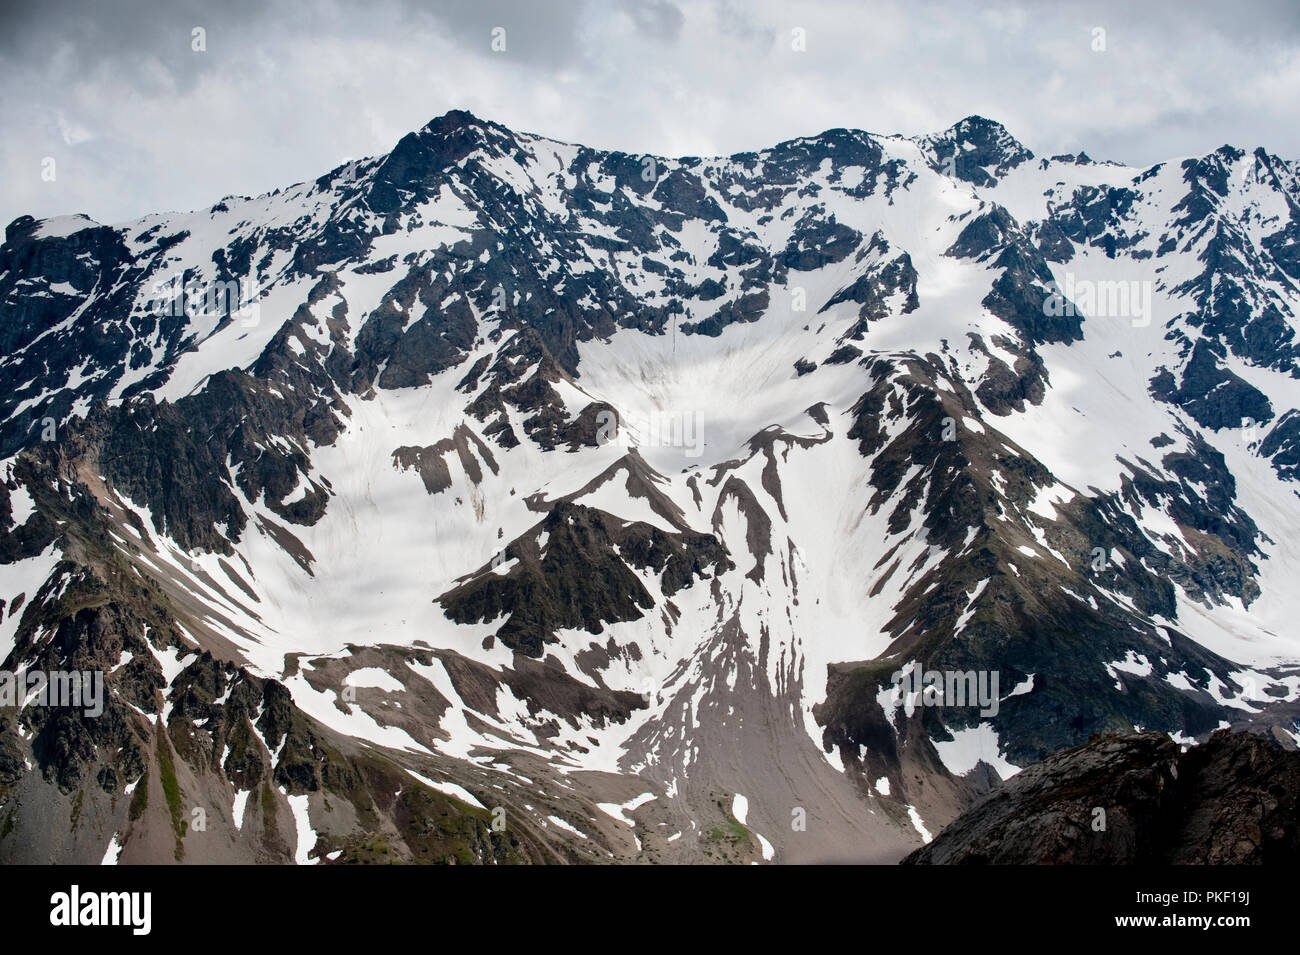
x: 139, y: 122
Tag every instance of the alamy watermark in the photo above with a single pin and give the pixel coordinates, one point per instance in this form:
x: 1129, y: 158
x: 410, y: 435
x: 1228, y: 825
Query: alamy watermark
x: 1100, y: 299
x: 87, y: 907
x: 664, y: 429
x: 73, y: 689
x: 963, y: 688
x: 176, y: 298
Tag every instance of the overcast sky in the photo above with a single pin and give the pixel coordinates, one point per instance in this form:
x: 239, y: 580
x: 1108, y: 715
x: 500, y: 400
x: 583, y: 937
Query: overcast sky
x: 138, y: 121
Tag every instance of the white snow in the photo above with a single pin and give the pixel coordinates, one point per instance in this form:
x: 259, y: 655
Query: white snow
x: 562, y: 824
x: 306, y: 834
x: 237, y: 809
x: 449, y: 788
x: 620, y: 811
x: 919, y: 823
x: 373, y: 677
x: 972, y: 745
x: 60, y: 227
x: 113, y: 851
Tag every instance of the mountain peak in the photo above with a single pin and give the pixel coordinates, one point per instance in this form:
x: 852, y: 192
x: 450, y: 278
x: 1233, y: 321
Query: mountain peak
x: 420, y: 157
x: 976, y: 150
x: 456, y: 119
x: 975, y: 124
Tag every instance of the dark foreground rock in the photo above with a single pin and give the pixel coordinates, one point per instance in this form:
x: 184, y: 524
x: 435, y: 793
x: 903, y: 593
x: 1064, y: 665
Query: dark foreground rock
x: 1136, y: 800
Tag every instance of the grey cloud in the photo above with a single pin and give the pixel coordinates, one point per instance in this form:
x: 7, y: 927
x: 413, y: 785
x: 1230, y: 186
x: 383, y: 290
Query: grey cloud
x: 661, y: 19
x: 127, y: 38
x: 537, y: 33
x: 138, y: 122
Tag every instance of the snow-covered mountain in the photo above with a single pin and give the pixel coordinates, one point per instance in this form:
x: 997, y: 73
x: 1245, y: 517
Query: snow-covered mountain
x: 501, y: 499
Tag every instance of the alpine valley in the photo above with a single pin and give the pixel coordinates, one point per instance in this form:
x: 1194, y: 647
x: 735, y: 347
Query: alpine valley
x: 534, y: 503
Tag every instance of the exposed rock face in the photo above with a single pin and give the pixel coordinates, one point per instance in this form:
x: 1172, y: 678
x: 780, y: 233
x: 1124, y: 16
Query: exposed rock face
x: 575, y: 570
x: 976, y: 150
x: 1127, y: 800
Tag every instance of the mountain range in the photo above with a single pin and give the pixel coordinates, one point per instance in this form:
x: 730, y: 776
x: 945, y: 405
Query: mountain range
x: 500, y: 499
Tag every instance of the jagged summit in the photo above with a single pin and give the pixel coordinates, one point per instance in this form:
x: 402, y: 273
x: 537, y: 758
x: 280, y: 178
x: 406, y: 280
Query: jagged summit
x: 975, y: 149
x: 977, y: 129
x: 455, y: 119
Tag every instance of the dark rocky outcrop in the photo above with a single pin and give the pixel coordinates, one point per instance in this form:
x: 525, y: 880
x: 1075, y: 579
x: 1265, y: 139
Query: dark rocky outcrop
x: 580, y: 576
x: 1233, y: 800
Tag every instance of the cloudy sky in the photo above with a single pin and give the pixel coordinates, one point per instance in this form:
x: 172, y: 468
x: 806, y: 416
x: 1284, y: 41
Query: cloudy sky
x: 138, y: 120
